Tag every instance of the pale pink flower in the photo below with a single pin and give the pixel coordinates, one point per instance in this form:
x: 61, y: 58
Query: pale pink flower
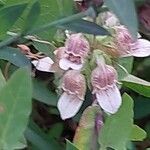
x: 103, y: 79
x: 44, y: 64
x: 74, y: 53
x: 127, y: 46
x: 74, y: 88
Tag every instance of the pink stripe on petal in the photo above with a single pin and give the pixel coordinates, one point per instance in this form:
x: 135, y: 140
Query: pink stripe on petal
x: 68, y: 105
x: 141, y: 48
x: 109, y: 100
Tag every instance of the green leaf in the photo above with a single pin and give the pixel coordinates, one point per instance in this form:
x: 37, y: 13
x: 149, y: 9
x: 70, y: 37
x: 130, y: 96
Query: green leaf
x: 39, y: 139
x: 9, y: 15
x: 21, y: 143
x: 14, y: 56
x: 85, y: 136
x: 124, y: 66
x: 70, y: 146
x: 117, y: 128
x: 32, y: 16
x: 44, y: 47
x: 2, y: 80
x: 85, y: 27
x: 43, y: 94
x: 138, y: 85
x: 125, y: 11
x: 15, y: 99
x: 55, y: 131
x: 51, y: 11
x: 137, y: 134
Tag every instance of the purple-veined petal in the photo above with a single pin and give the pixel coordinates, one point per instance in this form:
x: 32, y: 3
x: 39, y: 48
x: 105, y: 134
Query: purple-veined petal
x: 68, y: 105
x: 109, y: 99
x: 65, y: 64
x: 141, y: 48
x: 74, y: 83
x: 43, y: 64
x: 77, y: 45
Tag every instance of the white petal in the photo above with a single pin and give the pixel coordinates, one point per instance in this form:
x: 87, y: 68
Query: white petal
x: 68, y: 105
x: 110, y: 99
x: 66, y: 64
x: 141, y: 48
x: 43, y: 64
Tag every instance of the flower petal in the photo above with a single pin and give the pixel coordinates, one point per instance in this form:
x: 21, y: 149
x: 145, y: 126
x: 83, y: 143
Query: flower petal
x: 110, y: 99
x: 43, y: 64
x: 141, y: 48
x: 68, y: 105
x: 66, y: 64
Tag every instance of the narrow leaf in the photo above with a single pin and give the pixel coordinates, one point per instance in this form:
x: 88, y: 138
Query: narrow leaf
x: 85, y: 27
x: 117, y: 128
x: 138, y: 85
x: 15, y: 99
x: 125, y: 11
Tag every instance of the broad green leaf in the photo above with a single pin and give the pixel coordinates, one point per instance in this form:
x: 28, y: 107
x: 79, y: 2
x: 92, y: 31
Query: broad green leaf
x: 85, y: 136
x: 137, y: 134
x: 138, y: 85
x: 2, y: 80
x: 14, y: 56
x: 70, y: 146
x: 85, y: 27
x: 9, y: 15
x: 125, y: 11
x: 32, y: 16
x: 117, y: 128
x: 43, y: 94
x: 15, y: 101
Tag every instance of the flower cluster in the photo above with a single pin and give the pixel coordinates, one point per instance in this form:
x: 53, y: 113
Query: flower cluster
x: 70, y: 59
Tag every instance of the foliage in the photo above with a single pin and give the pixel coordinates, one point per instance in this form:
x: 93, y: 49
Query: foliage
x: 29, y: 117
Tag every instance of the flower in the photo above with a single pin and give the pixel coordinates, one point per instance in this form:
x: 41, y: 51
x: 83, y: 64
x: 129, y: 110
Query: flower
x: 108, y: 19
x: 103, y: 79
x: 44, y: 64
x: 74, y: 88
x: 127, y: 46
x: 73, y: 54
